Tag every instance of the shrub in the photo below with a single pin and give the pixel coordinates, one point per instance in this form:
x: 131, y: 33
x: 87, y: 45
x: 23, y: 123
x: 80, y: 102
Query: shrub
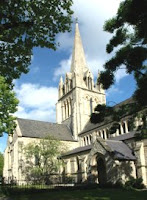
x: 134, y: 183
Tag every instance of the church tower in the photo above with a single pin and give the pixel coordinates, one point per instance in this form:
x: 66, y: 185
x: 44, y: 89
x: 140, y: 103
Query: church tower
x: 78, y: 95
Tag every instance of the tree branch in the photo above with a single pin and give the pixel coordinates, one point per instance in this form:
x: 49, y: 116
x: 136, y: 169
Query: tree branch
x: 7, y: 26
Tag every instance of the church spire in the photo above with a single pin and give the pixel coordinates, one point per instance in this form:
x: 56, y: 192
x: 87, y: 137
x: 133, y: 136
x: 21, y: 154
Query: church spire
x: 78, y: 63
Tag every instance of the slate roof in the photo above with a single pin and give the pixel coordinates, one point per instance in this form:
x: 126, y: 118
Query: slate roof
x: 125, y: 136
x: 40, y: 129
x: 78, y: 150
x: 119, y: 150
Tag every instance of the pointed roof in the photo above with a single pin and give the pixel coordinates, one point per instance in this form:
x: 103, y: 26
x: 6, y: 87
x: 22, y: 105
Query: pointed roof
x: 78, y: 63
x: 61, y: 81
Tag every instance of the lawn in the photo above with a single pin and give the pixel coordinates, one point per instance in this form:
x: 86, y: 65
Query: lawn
x: 87, y: 194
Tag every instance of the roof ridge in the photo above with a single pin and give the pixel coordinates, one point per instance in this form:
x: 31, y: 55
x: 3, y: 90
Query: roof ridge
x: 114, y: 141
x: 36, y: 120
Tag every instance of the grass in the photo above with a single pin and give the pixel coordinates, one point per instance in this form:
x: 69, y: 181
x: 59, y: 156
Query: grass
x: 87, y: 194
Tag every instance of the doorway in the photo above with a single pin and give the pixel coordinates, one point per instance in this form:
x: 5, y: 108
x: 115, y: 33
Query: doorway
x: 101, y: 168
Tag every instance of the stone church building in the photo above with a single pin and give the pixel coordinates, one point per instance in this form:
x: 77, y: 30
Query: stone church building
x: 93, y: 155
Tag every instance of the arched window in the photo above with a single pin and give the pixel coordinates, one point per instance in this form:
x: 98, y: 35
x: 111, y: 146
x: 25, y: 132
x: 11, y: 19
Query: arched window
x: 119, y: 129
x: 107, y: 133
x: 64, y: 110
x: 70, y: 105
x: 87, y: 140
x: 103, y: 134
x: 90, y: 139
x: 67, y: 88
x: 91, y: 108
x: 63, y: 89
x: 70, y: 84
x: 67, y: 108
x: 89, y: 83
x: 123, y: 127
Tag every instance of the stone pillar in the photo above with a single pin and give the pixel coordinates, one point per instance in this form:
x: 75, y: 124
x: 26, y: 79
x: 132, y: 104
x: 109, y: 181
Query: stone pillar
x: 121, y: 129
x: 105, y: 134
x: 117, y: 132
x: 126, y: 126
x: 101, y: 134
x: 141, y: 167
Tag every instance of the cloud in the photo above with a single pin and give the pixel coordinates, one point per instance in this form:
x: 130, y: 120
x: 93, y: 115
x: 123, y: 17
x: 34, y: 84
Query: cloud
x: 91, y: 17
x: 112, y: 90
x: 120, y: 73
x: 36, y: 102
x: 64, y: 66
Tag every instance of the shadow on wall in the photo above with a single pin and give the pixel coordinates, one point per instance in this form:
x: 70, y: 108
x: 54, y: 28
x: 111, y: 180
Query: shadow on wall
x: 107, y: 170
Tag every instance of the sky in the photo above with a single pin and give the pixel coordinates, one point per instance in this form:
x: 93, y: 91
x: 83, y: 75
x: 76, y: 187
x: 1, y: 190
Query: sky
x: 37, y: 91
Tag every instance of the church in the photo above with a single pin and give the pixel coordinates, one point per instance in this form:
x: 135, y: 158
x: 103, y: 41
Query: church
x: 93, y: 154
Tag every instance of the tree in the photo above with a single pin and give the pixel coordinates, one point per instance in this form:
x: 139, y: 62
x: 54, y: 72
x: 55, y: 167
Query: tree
x: 27, y: 24
x: 130, y: 41
x: 115, y: 115
x: 1, y: 164
x: 42, y: 160
x: 24, y: 25
x: 8, y: 105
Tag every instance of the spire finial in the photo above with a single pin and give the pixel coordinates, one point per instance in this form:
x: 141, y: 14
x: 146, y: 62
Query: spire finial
x: 61, y: 80
x: 76, y: 20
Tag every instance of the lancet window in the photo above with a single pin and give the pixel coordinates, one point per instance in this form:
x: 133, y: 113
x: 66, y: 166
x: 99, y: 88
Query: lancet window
x: 66, y: 108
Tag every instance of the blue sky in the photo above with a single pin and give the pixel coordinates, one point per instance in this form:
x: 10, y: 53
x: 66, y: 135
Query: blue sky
x: 37, y: 90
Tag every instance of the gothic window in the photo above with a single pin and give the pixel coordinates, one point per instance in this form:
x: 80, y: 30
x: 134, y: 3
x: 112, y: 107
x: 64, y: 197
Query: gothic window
x: 87, y: 140
x: 84, y: 141
x: 63, y: 89
x: 89, y: 83
x: 129, y: 126
x: 67, y: 89
x: 90, y: 138
x: 107, y: 133
x: 119, y: 130
x: 70, y: 106
x: 64, y: 110
x: 103, y: 134
x: 70, y: 84
x: 67, y: 103
x: 91, y: 108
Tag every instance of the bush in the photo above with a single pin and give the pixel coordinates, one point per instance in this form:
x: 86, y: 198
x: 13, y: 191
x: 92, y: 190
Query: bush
x: 134, y: 183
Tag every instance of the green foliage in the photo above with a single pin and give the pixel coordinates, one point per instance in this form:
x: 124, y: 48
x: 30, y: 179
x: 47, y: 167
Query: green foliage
x: 24, y: 25
x: 42, y: 160
x: 142, y: 129
x: 134, y: 183
x: 114, y: 127
x: 1, y: 164
x: 27, y: 24
x: 101, y: 111
x: 115, y: 115
x: 130, y: 38
x: 8, y: 105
